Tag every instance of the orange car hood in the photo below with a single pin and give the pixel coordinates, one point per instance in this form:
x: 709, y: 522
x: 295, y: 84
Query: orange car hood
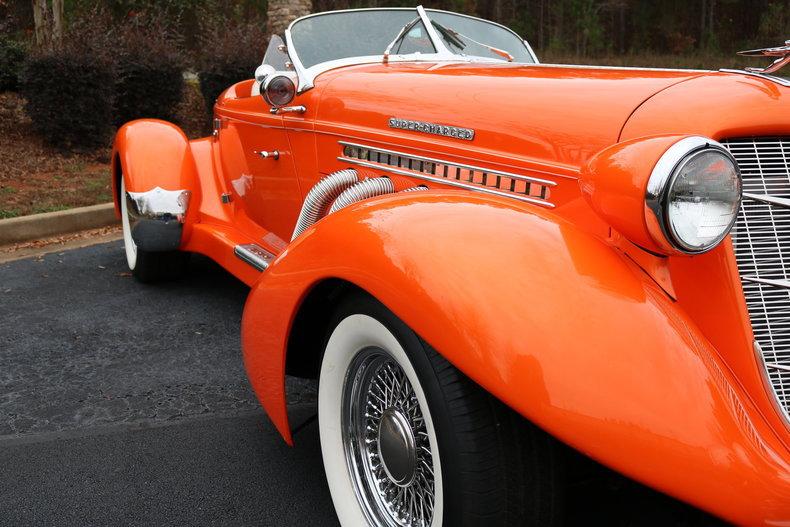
x: 556, y: 113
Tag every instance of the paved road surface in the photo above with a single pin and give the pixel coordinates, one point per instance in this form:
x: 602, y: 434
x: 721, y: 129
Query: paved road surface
x: 125, y: 404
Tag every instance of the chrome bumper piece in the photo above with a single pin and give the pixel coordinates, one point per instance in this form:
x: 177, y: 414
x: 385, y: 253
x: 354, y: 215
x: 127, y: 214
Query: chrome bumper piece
x: 157, y: 218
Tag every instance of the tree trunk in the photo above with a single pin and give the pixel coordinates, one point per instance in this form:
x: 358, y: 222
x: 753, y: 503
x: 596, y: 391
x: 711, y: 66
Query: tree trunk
x: 280, y: 13
x: 41, y: 21
x: 622, y: 27
x: 57, y: 21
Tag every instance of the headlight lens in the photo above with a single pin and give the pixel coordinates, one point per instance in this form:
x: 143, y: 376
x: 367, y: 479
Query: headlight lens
x: 278, y: 90
x: 693, y: 196
x: 703, y: 201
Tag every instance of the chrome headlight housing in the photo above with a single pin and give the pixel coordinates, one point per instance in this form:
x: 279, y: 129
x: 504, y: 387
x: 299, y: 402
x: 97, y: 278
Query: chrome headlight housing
x: 693, y: 196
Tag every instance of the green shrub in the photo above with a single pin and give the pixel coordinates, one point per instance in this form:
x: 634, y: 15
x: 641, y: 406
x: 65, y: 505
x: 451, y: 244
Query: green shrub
x: 230, y: 53
x: 12, y: 56
x: 70, y: 87
x: 149, y: 67
x: 69, y: 97
x: 102, y: 76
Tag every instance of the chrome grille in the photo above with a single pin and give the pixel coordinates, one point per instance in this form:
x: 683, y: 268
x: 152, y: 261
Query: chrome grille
x: 762, y: 249
x: 524, y: 188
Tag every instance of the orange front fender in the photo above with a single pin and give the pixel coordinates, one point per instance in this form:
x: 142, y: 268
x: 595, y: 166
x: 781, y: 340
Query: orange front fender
x: 555, y: 323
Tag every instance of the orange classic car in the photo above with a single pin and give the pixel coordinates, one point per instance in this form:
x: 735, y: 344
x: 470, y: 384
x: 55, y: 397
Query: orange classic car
x: 481, y: 258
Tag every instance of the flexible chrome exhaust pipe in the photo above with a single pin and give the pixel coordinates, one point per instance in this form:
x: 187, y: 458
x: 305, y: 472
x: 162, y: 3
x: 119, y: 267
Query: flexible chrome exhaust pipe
x: 341, y: 189
x: 320, y: 196
x: 368, y: 188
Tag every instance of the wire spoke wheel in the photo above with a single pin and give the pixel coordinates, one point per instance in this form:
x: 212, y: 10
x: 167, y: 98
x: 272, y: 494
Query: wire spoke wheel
x: 386, y: 442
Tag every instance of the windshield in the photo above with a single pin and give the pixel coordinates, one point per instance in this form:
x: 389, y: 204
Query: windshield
x: 345, y: 34
x: 475, y: 37
x: 369, y: 32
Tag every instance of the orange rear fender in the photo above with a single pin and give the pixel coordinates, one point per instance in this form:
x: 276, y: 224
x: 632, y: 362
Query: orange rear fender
x: 555, y: 323
x: 149, y: 153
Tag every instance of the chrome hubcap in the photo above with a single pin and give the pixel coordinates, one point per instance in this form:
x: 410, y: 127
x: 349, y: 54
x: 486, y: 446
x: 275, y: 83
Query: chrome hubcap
x: 397, y: 447
x: 387, y: 447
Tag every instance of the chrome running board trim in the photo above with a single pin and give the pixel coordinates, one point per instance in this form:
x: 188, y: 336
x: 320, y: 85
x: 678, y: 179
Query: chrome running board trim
x: 255, y: 255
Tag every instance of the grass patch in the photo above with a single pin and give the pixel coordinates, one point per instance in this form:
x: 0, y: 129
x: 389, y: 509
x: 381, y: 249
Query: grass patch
x: 8, y: 213
x: 49, y: 208
x: 97, y: 185
x: 75, y: 167
x: 36, y: 178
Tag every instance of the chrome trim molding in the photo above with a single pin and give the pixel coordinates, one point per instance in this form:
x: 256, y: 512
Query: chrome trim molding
x: 157, y: 218
x: 773, y: 78
x: 470, y: 177
x: 621, y: 68
x: 761, y: 240
x: 765, y: 374
x: 255, y: 255
x: 658, y: 186
x: 444, y: 162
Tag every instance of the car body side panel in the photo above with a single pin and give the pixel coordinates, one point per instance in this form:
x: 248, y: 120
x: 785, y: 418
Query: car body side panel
x: 554, y: 322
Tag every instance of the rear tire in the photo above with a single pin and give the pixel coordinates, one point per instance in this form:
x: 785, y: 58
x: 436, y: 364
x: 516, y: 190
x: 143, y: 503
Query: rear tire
x: 492, y: 467
x: 148, y: 266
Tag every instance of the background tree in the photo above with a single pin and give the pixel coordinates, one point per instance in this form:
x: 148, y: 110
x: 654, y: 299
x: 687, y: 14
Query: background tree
x: 280, y: 13
x: 48, y: 22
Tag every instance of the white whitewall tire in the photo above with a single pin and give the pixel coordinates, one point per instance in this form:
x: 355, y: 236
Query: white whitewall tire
x: 128, y: 242
x: 351, y: 337
x: 401, y: 427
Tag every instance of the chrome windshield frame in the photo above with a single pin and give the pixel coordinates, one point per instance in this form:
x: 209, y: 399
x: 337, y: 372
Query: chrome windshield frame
x: 307, y: 76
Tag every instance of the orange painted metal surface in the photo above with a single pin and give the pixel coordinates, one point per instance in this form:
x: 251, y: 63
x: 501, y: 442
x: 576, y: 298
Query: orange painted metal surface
x: 151, y: 153
x: 552, y: 321
x: 641, y: 360
x: 719, y: 106
x: 615, y: 180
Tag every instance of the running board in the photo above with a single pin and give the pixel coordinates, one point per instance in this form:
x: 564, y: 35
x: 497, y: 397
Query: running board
x: 255, y: 255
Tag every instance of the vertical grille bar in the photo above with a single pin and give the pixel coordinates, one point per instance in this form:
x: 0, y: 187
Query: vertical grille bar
x: 761, y: 239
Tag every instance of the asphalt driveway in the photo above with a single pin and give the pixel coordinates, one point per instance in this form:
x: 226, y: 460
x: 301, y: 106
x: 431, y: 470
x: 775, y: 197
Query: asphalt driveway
x: 126, y: 404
